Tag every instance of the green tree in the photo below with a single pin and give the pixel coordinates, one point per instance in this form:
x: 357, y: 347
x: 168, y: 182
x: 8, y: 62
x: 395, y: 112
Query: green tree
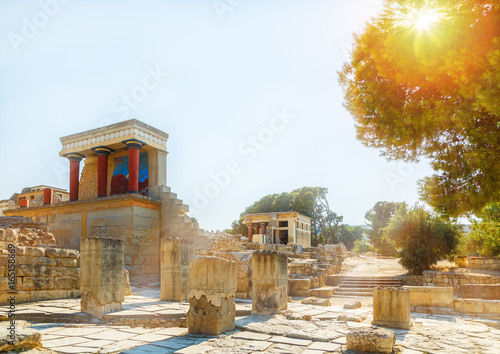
x: 421, y: 238
x: 351, y: 234
x: 422, y: 82
x: 360, y: 246
x: 484, y: 236
x: 377, y: 218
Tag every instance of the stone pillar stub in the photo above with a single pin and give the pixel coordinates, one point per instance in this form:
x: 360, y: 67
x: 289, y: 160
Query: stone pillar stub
x: 391, y: 307
x: 102, y: 285
x: 212, y: 286
x: 175, y: 256
x: 269, y: 282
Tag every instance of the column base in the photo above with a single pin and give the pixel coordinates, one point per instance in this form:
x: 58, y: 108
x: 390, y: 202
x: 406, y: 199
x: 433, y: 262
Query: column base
x: 133, y: 192
x: 101, y: 196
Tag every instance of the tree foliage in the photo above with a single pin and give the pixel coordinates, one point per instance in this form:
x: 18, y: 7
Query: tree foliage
x: 377, y: 218
x: 484, y: 237
x: 421, y: 239
x: 432, y: 91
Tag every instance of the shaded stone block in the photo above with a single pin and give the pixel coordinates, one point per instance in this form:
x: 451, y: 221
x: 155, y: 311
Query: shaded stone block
x: 212, y: 286
x: 391, y: 307
x: 175, y: 256
x: 102, y: 284
x: 269, y: 281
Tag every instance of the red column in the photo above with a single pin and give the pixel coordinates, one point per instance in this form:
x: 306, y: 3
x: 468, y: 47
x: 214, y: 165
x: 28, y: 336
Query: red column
x: 48, y: 195
x: 24, y: 203
x: 102, y: 170
x: 133, y: 147
x: 74, y: 175
x: 263, y: 228
x: 250, y: 232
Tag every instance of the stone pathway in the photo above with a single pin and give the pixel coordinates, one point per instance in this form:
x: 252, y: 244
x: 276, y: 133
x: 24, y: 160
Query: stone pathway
x: 306, y: 329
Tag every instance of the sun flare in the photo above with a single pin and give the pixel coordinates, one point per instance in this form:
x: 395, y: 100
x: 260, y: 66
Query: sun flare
x: 425, y: 19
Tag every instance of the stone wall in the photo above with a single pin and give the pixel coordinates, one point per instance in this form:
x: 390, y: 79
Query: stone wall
x: 413, y: 280
x: 244, y: 271
x: 433, y: 278
x: 486, y: 292
x: 485, y: 263
x: 41, y: 274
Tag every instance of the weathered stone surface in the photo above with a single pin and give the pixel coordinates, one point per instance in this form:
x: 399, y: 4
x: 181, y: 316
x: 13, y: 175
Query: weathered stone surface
x: 212, y: 286
x: 427, y: 296
x: 175, y: 256
x: 102, y: 285
x: 15, y: 336
x: 126, y: 281
x: 377, y: 340
x: 299, y: 284
x: 62, y: 253
x: 269, y: 281
x: 38, y: 283
x: 391, y: 307
x: 479, y: 291
x: 316, y: 301
x: 351, y: 318
x: 322, y: 292
x: 352, y: 305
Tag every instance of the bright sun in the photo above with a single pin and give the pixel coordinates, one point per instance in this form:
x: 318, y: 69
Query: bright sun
x: 425, y: 19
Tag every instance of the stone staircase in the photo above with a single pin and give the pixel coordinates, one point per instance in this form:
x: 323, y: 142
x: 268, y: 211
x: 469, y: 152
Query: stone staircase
x: 175, y: 222
x: 363, y: 286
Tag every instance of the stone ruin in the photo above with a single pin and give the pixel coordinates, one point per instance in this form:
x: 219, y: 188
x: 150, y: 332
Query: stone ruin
x: 269, y: 281
x: 212, y: 286
x: 102, y: 284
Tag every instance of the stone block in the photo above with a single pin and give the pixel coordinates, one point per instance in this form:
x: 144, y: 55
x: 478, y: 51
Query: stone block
x: 491, y: 306
x: 376, y: 340
x: 4, y: 283
x: 38, y: 283
x: 333, y: 280
x: 102, y: 285
x: 322, y: 292
x: 391, y: 307
x: 352, y: 305
x: 33, y: 251
x: 269, y: 281
x: 40, y: 295
x: 212, y: 286
x: 479, y: 291
x: 301, y: 293
x: 469, y: 305
x: 64, y: 283
x: 176, y: 254
x: 67, y: 262
x: 427, y: 296
x: 62, y: 253
x: 3, y: 271
x: 316, y: 301
x: 21, y: 296
x: 43, y: 261
x: 299, y: 284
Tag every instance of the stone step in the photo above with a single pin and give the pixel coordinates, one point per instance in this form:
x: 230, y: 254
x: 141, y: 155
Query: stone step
x: 358, y: 290
x: 364, y: 286
x: 371, y: 278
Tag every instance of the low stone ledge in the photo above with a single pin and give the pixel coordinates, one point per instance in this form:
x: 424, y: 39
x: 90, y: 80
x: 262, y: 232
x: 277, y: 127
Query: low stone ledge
x: 430, y: 296
x: 480, y: 291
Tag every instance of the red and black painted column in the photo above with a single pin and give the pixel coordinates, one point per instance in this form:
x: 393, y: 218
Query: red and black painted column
x: 250, y: 233
x: 102, y: 153
x: 74, y: 174
x: 133, y: 147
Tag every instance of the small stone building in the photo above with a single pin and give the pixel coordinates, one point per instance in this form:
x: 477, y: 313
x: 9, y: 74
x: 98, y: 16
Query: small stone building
x: 121, y: 193
x: 289, y: 227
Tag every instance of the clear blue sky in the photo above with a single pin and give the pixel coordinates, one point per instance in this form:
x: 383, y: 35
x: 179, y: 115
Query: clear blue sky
x: 221, y: 72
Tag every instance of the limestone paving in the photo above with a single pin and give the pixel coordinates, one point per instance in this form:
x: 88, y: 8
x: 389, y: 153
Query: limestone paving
x: 279, y: 333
